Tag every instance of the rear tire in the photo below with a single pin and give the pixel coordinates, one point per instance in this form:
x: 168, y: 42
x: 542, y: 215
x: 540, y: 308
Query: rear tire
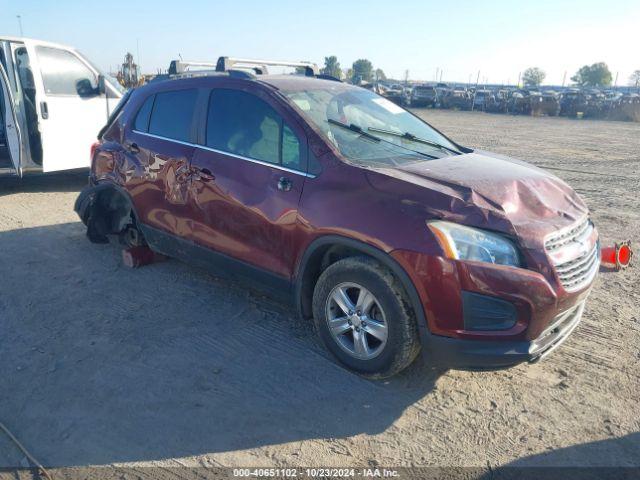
x: 380, y: 338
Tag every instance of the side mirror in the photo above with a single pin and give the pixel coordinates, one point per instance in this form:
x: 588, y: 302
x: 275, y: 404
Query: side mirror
x: 102, y: 85
x: 84, y: 88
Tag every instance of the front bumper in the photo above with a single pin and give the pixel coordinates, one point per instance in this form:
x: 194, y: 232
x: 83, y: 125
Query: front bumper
x: 542, y: 313
x: 479, y: 354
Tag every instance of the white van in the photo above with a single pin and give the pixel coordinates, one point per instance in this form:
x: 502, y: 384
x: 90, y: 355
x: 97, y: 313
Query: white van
x: 53, y: 102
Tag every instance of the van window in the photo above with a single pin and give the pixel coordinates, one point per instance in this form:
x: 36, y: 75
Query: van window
x: 25, y: 74
x: 144, y: 114
x: 2, y: 128
x: 243, y: 124
x: 172, y: 114
x: 28, y: 91
x: 65, y: 74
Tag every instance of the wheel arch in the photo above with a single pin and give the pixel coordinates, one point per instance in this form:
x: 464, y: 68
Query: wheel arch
x: 313, y: 262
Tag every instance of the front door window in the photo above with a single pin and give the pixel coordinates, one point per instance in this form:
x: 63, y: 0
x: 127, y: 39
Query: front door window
x: 243, y: 124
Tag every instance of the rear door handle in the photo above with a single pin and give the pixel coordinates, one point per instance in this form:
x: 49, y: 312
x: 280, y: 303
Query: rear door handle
x: 44, y: 110
x: 205, y: 175
x: 285, y: 184
x: 133, y: 147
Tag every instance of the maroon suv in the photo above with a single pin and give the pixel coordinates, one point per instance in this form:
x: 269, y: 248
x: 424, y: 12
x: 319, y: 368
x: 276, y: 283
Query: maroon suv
x: 391, y: 236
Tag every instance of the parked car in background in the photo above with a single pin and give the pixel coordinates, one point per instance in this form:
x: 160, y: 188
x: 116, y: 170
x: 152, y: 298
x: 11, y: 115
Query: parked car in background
x: 500, y: 102
x: 595, y: 104
x: 389, y: 235
x: 394, y: 93
x: 457, y: 99
x: 483, y: 99
x: 54, y: 102
x: 519, y: 103
x: 572, y: 102
x: 442, y: 90
x: 545, y: 103
x: 423, y: 96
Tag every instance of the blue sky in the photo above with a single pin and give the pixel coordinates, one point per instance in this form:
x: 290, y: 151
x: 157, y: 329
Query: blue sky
x: 499, y: 38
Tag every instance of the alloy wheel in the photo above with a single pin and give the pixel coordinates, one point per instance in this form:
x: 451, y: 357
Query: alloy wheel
x: 356, y: 321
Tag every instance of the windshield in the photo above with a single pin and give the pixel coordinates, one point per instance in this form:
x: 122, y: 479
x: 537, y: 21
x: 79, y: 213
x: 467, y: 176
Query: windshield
x: 389, y: 135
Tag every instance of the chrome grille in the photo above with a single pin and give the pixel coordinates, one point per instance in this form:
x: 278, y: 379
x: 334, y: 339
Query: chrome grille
x: 565, y: 237
x: 581, y: 267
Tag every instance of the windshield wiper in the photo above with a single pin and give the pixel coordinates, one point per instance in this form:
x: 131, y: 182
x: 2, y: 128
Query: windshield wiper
x: 356, y: 129
x: 413, y: 138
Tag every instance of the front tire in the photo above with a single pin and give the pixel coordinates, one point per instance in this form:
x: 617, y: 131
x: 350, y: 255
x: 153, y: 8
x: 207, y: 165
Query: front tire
x: 363, y: 317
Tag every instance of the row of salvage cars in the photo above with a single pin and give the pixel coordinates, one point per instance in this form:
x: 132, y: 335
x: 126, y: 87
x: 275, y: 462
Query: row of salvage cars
x: 570, y: 102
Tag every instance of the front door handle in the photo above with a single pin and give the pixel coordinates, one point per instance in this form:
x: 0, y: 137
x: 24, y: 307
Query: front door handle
x: 284, y: 184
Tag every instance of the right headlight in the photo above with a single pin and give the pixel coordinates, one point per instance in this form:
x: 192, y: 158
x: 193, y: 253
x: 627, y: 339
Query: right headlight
x: 466, y: 243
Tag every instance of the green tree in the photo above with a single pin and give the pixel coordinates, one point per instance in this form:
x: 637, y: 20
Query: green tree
x: 348, y: 74
x: 634, y: 79
x: 362, y: 71
x: 380, y: 76
x: 332, y: 67
x: 594, y: 75
x: 533, y: 77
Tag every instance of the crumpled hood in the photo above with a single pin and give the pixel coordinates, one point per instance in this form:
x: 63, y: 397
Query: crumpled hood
x: 487, y: 190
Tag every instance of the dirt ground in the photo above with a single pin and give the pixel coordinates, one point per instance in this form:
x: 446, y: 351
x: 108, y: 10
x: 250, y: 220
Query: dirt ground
x: 167, y: 365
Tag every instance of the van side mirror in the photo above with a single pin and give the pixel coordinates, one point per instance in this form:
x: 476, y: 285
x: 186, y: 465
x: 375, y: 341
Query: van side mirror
x: 84, y: 88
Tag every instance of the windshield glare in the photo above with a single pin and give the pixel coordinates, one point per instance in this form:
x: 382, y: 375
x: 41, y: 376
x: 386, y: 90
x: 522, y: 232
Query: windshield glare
x: 372, y: 113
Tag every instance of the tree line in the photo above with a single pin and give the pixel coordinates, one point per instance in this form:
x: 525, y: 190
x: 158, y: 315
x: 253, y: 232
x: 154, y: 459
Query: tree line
x: 362, y: 70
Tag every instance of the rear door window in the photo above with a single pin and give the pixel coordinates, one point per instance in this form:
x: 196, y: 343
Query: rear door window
x: 245, y: 125
x: 172, y: 114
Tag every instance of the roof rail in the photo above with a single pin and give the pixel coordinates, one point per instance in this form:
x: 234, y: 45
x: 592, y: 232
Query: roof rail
x: 176, y: 66
x: 180, y: 66
x: 323, y: 76
x: 227, y: 63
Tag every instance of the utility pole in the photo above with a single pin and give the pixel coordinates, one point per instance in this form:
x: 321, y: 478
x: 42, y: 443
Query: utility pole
x: 138, y: 53
x: 564, y: 78
x: 19, y: 17
x: 475, y: 91
x: 615, y: 84
x: 519, y: 74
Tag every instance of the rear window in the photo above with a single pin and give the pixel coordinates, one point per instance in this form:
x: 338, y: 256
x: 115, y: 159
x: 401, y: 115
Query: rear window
x: 172, y: 114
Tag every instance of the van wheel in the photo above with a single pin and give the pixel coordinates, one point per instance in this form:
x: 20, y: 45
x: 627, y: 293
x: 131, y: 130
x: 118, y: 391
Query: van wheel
x: 362, y: 315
